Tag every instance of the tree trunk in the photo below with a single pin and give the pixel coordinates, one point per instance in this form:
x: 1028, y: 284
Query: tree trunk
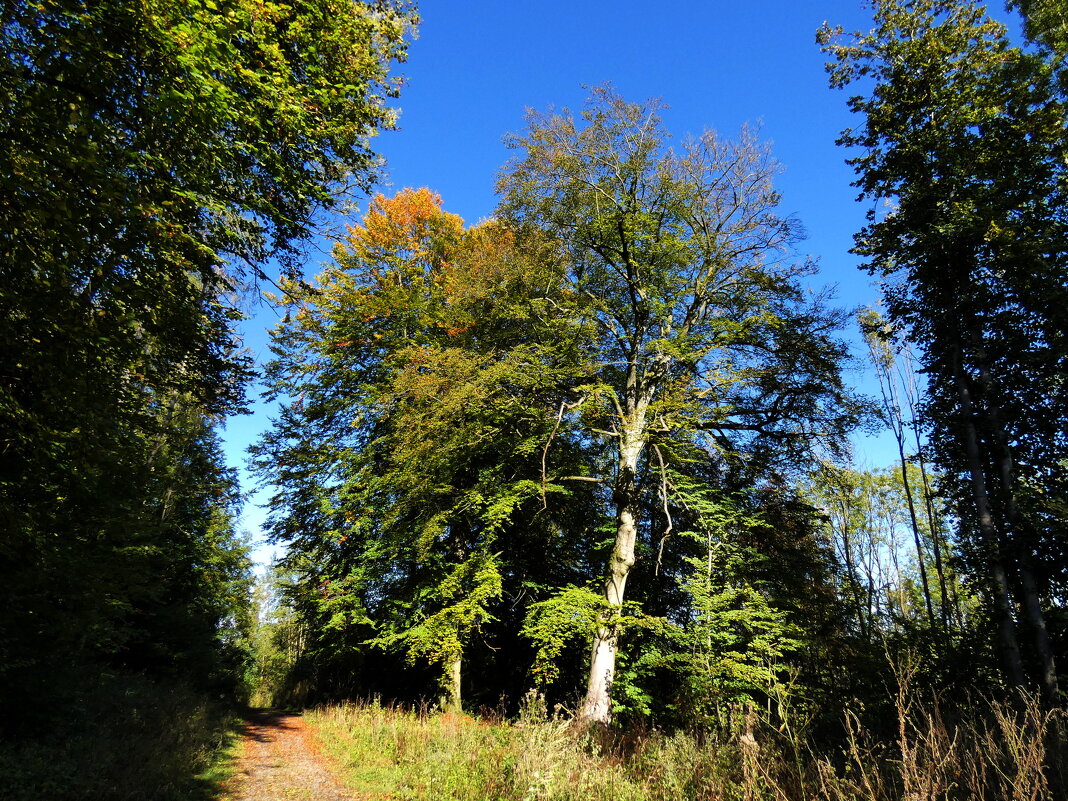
x: 450, y: 699
x: 597, y: 707
x: 1036, y: 622
x: 1031, y: 603
x: 928, y: 497
x: 916, y: 538
x: 854, y: 574
x: 1006, y: 635
x: 946, y: 605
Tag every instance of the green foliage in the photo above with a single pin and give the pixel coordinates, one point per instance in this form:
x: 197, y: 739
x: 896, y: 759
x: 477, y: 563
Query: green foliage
x: 277, y: 640
x: 963, y: 134
x: 479, y: 416
x: 464, y: 597
x: 735, y: 646
x: 154, y: 154
x: 570, y: 614
x: 423, y: 364
x: 702, y: 339
x: 391, y: 752
x: 125, y: 737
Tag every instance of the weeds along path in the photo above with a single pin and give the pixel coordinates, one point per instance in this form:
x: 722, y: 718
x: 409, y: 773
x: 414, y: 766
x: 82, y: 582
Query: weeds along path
x: 280, y: 759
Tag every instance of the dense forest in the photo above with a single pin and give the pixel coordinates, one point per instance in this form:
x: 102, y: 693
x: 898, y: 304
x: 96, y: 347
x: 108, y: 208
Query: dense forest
x: 591, y: 455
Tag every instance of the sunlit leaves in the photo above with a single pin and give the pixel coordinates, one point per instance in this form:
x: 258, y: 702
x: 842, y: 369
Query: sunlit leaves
x: 427, y: 363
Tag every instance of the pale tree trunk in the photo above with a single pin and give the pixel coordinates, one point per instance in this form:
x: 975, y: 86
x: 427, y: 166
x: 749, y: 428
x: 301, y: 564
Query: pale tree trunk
x: 928, y: 502
x: 914, y: 521
x: 854, y: 573
x: 892, y: 406
x: 450, y: 699
x: 597, y: 707
x: 948, y: 605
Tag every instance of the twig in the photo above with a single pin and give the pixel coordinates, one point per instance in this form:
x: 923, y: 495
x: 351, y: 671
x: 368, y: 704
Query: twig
x: 564, y: 407
x: 667, y: 512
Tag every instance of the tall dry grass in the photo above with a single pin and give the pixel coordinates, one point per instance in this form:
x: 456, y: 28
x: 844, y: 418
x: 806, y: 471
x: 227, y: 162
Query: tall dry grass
x: 996, y: 752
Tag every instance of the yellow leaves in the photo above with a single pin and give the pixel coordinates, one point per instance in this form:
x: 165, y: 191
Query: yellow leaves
x: 484, y: 263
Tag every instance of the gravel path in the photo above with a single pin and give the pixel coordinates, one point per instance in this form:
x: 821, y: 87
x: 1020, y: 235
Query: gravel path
x: 280, y: 761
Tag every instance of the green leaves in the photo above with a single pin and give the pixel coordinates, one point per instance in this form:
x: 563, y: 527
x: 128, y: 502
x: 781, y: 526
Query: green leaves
x: 426, y: 368
x: 964, y: 134
x: 153, y: 155
x: 569, y: 616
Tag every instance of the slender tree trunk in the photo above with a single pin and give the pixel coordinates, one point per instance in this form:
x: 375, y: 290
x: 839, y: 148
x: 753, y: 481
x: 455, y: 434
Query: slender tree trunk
x: 597, y: 707
x: 897, y: 423
x: 947, y: 604
x: 854, y: 574
x: 915, y: 524
x: 1031, y: 601
x: 928, y: 496
x: 888, y: 386
x: 1006, y: 635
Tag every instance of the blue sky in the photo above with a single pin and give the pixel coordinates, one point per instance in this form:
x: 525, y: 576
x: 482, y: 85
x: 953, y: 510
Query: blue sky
x: 476, y: 66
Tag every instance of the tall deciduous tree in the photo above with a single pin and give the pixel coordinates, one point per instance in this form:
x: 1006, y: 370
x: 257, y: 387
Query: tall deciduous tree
x: 152, y: 153
x: 964, y: 134
x: 683, y: 263
x: 423, y: 367
x: 1046, y: 22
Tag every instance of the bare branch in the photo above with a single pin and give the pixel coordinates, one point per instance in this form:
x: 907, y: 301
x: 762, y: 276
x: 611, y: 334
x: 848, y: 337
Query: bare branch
x: 545, y: 453
x: 667, y: 511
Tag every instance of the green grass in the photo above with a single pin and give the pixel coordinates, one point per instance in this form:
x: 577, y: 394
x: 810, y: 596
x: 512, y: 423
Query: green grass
x: 388, y: 753
x: 404, y: 755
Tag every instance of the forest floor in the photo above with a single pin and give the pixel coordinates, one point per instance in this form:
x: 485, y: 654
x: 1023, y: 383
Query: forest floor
x: 280, y: 760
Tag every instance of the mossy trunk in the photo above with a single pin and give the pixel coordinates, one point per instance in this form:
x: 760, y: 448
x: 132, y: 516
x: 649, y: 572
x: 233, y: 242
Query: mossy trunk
x: 451, y: 700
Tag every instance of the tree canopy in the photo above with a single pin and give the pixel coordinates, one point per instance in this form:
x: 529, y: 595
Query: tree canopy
x: 630, y: 324
x: 964, y: 133
x: 591, y: 454
x: 704, y: 339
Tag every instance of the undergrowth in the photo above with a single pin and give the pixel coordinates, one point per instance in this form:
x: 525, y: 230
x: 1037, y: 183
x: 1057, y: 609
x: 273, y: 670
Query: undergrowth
x: 126, y: 739
x: 995, y: 753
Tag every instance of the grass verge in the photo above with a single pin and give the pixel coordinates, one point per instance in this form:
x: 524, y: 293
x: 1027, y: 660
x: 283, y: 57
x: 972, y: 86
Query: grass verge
x: 388, y: 753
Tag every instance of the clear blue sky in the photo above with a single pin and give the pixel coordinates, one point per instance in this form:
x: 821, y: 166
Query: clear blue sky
x: 476, y: 66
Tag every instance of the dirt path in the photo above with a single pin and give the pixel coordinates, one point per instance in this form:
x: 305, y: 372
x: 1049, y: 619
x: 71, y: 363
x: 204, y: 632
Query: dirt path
x: 281, y: 761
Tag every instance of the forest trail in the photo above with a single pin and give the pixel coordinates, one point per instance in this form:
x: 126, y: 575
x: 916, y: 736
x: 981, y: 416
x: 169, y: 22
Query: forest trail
x: 281, y: 761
